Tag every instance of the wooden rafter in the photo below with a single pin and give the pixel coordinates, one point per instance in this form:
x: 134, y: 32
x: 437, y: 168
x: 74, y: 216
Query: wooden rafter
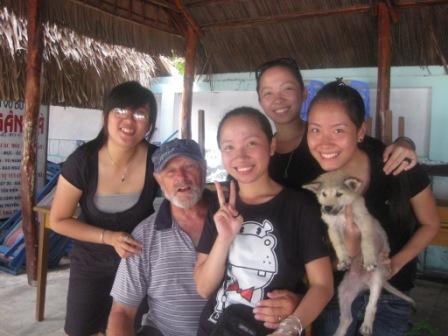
x: 418, y: 4
x: 312, y: 13
x: 285, y: 17
x: 163, y: 4
x: 134, y: 17
x: 201, y: 3
x: 188, y: 17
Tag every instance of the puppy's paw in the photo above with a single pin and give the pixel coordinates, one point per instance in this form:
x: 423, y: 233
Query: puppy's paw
x: 344, y: 265
x: 365, y: 330
x: 370, y: 267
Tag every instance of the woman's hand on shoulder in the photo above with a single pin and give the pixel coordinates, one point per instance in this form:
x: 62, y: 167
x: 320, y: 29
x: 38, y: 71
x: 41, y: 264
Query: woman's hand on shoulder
x: 227, y: 219
x: 123, y: 243
x: 399, y: 157
x: 279, y: 304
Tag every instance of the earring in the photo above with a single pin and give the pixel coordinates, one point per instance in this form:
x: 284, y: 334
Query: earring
x: 360, y: 140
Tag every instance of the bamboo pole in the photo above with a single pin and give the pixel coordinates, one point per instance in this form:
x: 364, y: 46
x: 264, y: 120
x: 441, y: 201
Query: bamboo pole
x: 28, y: 164
x: 382, y: 128
x: 187, y: 95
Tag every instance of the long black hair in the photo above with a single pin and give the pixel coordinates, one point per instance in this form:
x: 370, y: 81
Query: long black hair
x: 400, y: 210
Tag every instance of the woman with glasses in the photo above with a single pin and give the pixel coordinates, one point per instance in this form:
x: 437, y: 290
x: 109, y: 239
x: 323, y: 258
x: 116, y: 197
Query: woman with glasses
x: 281, y: 92
x: 111, y: 179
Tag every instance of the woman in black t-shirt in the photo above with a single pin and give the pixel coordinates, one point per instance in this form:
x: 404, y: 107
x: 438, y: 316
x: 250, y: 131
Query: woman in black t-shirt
x: 403, y: 204
x: 265, y: 237
x: 281, y: 92
x: 111, y: 179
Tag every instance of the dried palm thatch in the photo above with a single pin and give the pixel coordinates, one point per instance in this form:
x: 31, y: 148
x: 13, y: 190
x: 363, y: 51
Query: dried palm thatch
x: 238, y: 35
x: 77, y: 69
x: 83, y: 60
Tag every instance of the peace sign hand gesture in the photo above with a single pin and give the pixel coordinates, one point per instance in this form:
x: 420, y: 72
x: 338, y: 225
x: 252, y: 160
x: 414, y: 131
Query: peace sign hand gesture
x: 227, y: 219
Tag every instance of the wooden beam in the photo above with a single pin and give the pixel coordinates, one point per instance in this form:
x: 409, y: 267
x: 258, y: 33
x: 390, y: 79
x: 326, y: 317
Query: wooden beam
x: 188, y: 17
x: 382, y: 127
x: 138, y: 18
x: 201, y: 130
x: 285, y: 17
x: 304, y: 14
x: 419, y: 4
x: 29, y: 149
x: 401, y: 126
x: 187, y: 95
x: 201, y: 3
x: 163, y: 4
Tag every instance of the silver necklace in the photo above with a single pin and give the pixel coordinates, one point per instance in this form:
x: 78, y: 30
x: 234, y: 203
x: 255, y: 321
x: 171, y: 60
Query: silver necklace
x: 123, y: 176
x: 285, y: 172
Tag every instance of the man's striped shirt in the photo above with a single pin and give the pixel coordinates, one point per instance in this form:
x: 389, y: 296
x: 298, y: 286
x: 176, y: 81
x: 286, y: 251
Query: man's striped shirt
x: 164, y: 272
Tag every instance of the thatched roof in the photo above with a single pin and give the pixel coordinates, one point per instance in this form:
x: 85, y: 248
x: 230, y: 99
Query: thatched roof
x: 82, y: 58
x: 238, y: 35
x: 78, y: 67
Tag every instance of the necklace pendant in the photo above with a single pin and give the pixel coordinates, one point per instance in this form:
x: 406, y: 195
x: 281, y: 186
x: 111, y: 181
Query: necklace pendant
x: 123, y: 178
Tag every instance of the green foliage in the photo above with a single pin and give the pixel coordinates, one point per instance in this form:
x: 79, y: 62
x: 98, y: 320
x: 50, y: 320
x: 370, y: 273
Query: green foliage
x: 423, y: 329
x: 178, y: 63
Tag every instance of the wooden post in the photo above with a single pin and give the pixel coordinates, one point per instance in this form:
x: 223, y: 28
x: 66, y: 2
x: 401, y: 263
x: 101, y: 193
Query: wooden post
x: 400, y: 126
x: 384, y: 60
x: 201, y: 130
x: 187, y: 95
x: 28, y: 165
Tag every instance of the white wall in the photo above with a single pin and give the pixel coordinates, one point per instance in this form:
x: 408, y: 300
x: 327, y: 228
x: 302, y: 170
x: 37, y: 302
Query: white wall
x: 68, y: 128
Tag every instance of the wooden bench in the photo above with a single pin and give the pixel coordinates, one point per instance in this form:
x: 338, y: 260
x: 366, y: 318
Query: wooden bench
x: 442, y: 237
x: 442, y: 205
x: 43, y: 211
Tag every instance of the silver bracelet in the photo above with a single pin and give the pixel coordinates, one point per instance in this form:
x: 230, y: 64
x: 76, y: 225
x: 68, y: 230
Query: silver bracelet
x: 290, y: 326
x: 102, y: 236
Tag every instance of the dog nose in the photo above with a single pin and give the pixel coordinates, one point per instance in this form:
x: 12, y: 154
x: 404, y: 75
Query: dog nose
x: 328, y: 208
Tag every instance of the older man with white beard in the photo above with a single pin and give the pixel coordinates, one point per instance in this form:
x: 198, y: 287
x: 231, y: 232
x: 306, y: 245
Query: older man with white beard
x: 163, y: 271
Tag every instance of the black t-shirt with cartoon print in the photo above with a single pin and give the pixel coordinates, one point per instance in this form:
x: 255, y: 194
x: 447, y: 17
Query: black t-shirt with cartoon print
x: 276, y: 240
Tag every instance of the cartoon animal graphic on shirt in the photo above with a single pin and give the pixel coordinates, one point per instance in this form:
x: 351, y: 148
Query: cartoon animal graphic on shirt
x: 252, y: 264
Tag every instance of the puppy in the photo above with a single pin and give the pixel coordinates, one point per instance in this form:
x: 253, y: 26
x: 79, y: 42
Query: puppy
x: 335, y: 191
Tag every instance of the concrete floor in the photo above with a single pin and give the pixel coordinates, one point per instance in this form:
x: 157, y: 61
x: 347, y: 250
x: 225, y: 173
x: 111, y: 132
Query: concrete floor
x: 18, y: 300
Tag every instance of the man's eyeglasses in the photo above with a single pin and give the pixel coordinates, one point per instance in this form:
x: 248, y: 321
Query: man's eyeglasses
x: 138, y: 114
x: 285, y: 61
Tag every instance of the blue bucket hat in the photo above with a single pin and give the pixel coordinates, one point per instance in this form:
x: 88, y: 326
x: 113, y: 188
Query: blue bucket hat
x: 173, y: 148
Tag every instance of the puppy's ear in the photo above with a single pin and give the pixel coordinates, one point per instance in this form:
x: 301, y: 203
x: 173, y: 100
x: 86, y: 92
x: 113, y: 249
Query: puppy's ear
x: 352, y: 183
x: 313, y: 186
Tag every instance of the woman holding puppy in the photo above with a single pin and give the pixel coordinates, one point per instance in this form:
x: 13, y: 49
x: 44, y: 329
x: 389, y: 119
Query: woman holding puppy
x: 403, y: 204
x: 266, y: 237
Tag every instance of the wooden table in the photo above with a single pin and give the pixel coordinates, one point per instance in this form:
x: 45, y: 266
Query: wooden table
x: 43, y: 212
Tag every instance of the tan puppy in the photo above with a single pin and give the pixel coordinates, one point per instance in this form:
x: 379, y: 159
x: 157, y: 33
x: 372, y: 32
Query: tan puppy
x: 335, y: 191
